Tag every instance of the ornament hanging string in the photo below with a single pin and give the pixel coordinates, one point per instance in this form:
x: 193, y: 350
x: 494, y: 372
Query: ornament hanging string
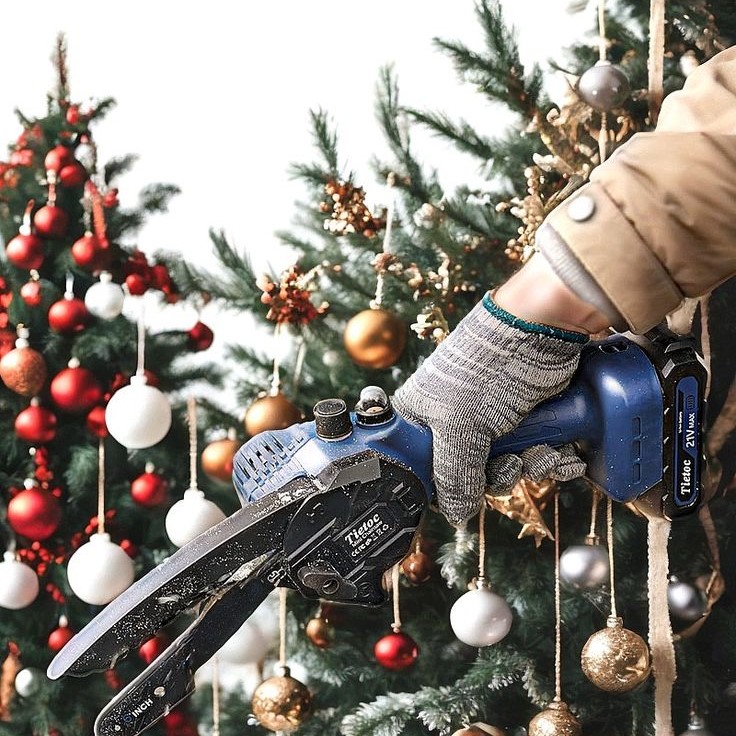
x: 139, y: 371
x: 602, y: 54
x: 656, y: 58
x: 282, y: 627
x: 386, y: 246
x: 276, y: 377
x: 609, y: 541
x: 396, y: 625
x: 558, y: 615
x: 482, y: 543
x: 596, y: 497
x: 69, y: 285
x: 101, y: 487
x: 660, y: 629
x: 215, y: 697
x: 192, y: 420
x: 298, y: 367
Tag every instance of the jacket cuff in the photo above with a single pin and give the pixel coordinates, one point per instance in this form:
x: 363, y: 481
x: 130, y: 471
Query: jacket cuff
x: 609, y: 249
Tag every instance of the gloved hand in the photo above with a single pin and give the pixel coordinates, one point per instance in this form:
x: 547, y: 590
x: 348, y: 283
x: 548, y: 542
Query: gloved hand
x: 479, y: 383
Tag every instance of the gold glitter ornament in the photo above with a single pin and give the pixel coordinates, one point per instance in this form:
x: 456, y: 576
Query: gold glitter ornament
x: 616, y: 659
x: 282, y: 703
x: 555, y: 720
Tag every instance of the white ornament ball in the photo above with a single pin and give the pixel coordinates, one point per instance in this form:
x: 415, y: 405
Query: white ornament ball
x: 99, y: 570
x: 248, y: 645
x: 480, y: 618
x: 685, y: 601
x: 28, y: 681
x: 105, y: 298
x: 138, y: 415
x: 191, y: 516
x: 585, y: 566
x: 18, y: 583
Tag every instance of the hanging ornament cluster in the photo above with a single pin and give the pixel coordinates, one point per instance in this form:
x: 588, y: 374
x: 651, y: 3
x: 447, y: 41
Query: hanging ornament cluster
x: 193, y: 514
x: 348, y: 210
x: 140, y: 276
x: 289, y: 301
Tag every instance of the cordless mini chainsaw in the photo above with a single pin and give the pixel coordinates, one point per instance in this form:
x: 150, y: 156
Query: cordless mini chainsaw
x: 330, y: 505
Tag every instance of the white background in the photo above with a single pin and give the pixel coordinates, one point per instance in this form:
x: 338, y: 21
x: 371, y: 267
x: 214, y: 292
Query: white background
x: 214, y: 97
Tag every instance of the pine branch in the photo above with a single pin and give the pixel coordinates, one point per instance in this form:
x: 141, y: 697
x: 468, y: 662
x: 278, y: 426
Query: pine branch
x: 385, y: 716
x: 155, y: 198
x: 117, y: 166
x: 464, y: 135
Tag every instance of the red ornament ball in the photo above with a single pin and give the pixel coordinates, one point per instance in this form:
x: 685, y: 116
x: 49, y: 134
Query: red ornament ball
x: 137, y: 284
x: 151, y: 649
x: 88, y: 252
x: 34, y: 513
x: 36, y: 425
x: 68, y: 316
x: 200, y: 337
x: 51, y: 221
x: 58, y: 157
x: 31, y: 293
x: 25, y: 251
x: 75, y: 390
x: 96, y: 421
x: 7, y: 341
x: 59, y: 637
x: 149, y: 489
x: 72, y: 114
x: 73, y: 175
x: 396, y: 651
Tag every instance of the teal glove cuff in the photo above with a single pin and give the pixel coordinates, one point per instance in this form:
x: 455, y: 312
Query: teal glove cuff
x: 536, y: 327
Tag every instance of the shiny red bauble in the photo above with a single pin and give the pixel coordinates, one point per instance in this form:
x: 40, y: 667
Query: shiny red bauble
x: 89, y: 253
x: 75, y: 390
x: 137, y: 284
x: 34, y: 513
x: 200, y: 337
x: 7, y: 340
x: 72, y: 175
x: 58, y: 157
x: 31, y: 293
x: 59, y: 637
x: 72, y: 114
x: 68, y: 316
x: 396, y: 651
x: 51, y: 221
x: 149, y: 650
x: 149, y: 489
x: 25, y: 251
x: 96, y: 421
x: 36, y: 425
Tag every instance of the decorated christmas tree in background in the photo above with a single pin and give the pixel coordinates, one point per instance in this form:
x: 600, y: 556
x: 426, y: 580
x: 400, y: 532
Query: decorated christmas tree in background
x: 374, y: 289
x: 94, y: 415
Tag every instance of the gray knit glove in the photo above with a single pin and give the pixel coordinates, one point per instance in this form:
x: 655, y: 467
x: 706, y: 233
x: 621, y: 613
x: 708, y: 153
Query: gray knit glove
x: 479, y: 383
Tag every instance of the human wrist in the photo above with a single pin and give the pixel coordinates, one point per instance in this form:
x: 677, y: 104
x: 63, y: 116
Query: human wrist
x: 537, y: 294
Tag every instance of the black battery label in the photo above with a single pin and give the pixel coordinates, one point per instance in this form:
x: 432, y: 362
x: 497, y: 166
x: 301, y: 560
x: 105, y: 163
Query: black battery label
x: 687, y: 442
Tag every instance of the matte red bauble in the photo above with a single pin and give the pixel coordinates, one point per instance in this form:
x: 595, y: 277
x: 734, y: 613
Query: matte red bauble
x: 89, y: 253
x: 75, y: 389
x: 96, y: 421
x: 34, y: 513
x: 51, y: 221
x: 200, y: 337
x: 58, y: 157
x: 149, y: 650
x: 31, y: 292
x: 36, y: 424
x: 149, y: 489
x: 25, y: 251
x: 73, y: 175
x: 68, y: 316
x: 7, y: 340
x: 396, y: 651
x: 59, y: 637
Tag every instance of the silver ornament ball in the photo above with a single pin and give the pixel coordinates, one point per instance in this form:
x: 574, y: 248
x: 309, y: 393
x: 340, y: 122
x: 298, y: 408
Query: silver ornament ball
x: 105, y: 298
x: 480, y: 618
x: 604, y: 86
x: 685, y: 601
x: 585, y: 566
x: 28, y: 682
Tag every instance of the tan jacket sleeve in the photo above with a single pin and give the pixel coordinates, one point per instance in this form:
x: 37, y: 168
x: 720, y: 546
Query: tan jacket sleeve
x: 657, y: 222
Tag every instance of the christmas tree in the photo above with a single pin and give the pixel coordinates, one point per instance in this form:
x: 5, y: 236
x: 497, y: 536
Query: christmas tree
x: 91, y: 446
x: 373, y: 289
